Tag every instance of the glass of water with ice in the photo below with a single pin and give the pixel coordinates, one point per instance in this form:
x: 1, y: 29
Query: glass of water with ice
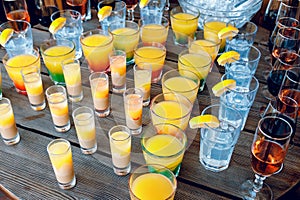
x: 217, y: 143
x: 153, y: 11
x: 20, y: 41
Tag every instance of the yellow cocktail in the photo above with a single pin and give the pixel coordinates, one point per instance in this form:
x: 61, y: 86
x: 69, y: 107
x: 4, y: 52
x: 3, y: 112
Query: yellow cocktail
x: 117, y: 60
x: 142, y: 80
x: 96, y: 46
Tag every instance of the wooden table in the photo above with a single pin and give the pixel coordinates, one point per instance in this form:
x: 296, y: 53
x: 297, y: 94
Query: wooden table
x: 26, y: 171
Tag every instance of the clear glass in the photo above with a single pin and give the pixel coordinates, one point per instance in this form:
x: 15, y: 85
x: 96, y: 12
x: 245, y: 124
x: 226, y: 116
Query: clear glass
x: 1, y: 83
x: 58, y: 104
x: 60, y: 154
x: 99, y: 82
x: 142, y: 80
x: 82, y: 6
x: 16, y: 10
x: 72, y: 75
x: 152, y: 13
x: 133, y: 105
x: 120, y: 146
x: 34, y: 87
x: 85, y: 128
x: 286, y: 10
x: 117, y: 60
x: 8, y: 129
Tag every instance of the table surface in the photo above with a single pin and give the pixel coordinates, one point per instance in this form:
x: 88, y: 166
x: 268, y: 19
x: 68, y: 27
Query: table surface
x: 26, y: 171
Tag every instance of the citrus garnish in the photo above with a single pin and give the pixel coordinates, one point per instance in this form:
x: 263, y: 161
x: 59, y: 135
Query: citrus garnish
x: 202, y: 121
x: 104, y: 12
x: 6, y: 35
x: 228, y: 31
x: 223, y: 86
x: 57, y: 24
x: 144, y: 3
x: 228, y: 57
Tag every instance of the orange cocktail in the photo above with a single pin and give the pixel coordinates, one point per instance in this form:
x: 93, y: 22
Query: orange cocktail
x: 96, y: 46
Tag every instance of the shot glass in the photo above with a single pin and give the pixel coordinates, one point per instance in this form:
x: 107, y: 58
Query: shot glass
x: 217, y: 143
x: 133, y: 104
x: 85, y: 128
x: 117, y: 60
x: 97, y: 44
x: 172, y: 146
x: 34, y: 87
x: 58, y: 104
x: 153, y: 53
x: 142, y: 80
x: 199, y: 63
x: 120, y: 146
x: 100, y: 92
x: 60, y: 154
x: 53, y: 53
x: 152, y: 13
x: 15, y: 64
x: 243, y: 40
x: 154, y: 32
x: 118, y: 13
x: 16, y: 10
x: 0, y: 83
x: 8, y: 128
x: 171, y: 108
x: 21, y: 41
x: 71, y: 30
x: 184, y: 25
x: 183, y: 82
x: 242, y: 97
x: 147, y: 181
x: 72, y: 75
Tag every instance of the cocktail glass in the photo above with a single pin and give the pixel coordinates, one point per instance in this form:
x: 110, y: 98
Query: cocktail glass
x: 171, y: 108
x: 72, y: 75
x: 133, y: 105
x: 85, y: 128
x: 182, y: 81
x: 117, y: 60
x: 97, y: 44
x: 184, y: 25
x: 120, y: 147
x: 60, y: 154
x: 8, y: 128
x: 164, y: 144
x: 142, y: 80
x: 199, y: 63
x: 125, y: 38
x: 153, y: 53
x: 71, y: 30
x: 34, y: 87
x: 53, y: 53
x: 58, y: 104
x: 154, y: 32
x: 15, y: 64
x: 21, y: 40
x: 99, y: 82
x: 152, y: 13
x: 152, y: 182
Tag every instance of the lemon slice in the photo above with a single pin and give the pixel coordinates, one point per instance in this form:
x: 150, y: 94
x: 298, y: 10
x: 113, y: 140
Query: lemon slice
x: 6, y: 35
x: 228, y: 57
x: 228, y: 31
x: 223, y: 86
x: 144, y: 3
x: 202, y: 121
x: 104, y: 12
x: 57, y: 24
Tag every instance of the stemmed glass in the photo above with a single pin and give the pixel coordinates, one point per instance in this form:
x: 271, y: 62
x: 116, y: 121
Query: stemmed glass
x: 130, y: 6
x: 268, y: 150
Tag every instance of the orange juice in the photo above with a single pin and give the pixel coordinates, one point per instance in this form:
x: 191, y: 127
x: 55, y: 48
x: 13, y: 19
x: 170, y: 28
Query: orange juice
x: 154, y: 33
x: 96, y: 49
x: 153, y: 186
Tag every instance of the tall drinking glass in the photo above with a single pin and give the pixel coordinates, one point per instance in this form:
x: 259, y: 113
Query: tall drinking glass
x: 142, y: 80
x: 117, y: 60
x: 152, y: 13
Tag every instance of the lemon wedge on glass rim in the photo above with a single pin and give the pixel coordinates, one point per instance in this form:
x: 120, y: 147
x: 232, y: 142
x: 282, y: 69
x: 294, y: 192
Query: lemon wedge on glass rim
x: 228, y: 31
x: 57, y: 24
x: 228, y: 57
x: 144, y: 3
x: 223, y: 86
x: 104, y: 12
x: 6, y: 34
x: 202, y: 121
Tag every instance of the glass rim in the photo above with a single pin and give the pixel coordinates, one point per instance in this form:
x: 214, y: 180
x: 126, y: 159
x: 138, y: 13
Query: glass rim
x: 127, y: 131
x: 83, y: 108
x: 279, y: 59
x: 148, y: 66
x: 69, y: 61
x: 288, y: 37
x: 35, y: 52
x: 94, y: 75
x: 215, y: 44
x: 44, y: 46
x: 114, y: 11
x: 2, y: 101
x: 49, y: 95
x: 203, y: 54
x: 16, y: 21
x: 56, y: 141
x: 182, y: 11
x: 164, y: 21
x: 78, y: 14
x: 34, y: 70
x: 96, y: 32
x: 136, y: 31
x: 287, y: 18
x: 129, y: 91
x: 291, y: 78
x: 289, y: 6
x: 156, y: 45
x: 250, y: 61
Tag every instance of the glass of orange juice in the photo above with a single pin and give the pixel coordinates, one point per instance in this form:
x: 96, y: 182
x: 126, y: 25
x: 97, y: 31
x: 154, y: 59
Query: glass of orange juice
x: 152, y: 182
x: 171, y: 108
x: 15, y: 64
x: 184, y: 25
x: 54, y: 52
x: 153, y: 53
x: 97, y: 45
